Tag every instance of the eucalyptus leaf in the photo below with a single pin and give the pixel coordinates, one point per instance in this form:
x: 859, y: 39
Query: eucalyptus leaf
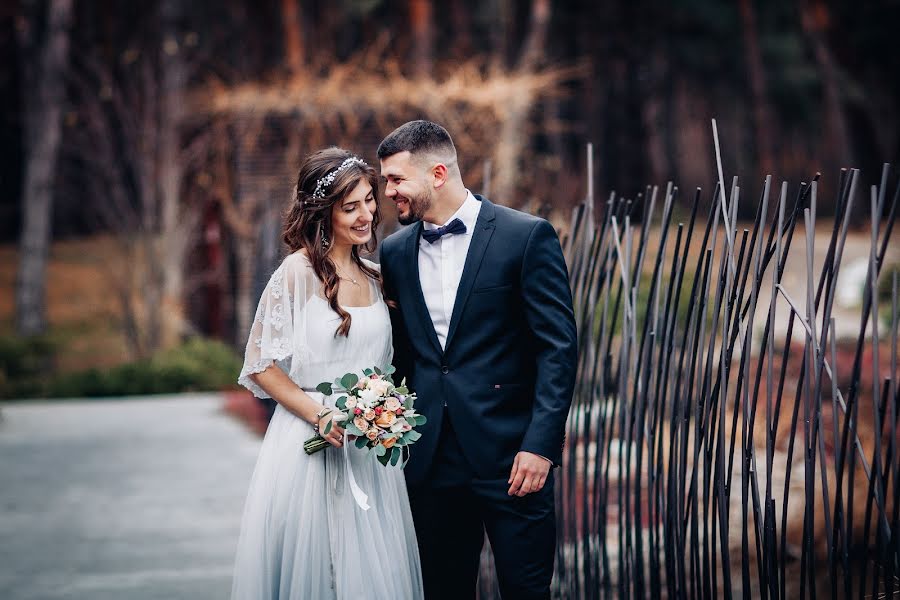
x: 377, y: 371
x: 341, y: 403
x: 395, y: 455
x: 361, y: 442
x: 384, y: 459
x: 412, y: 436
x: 349, y: 380
x: 380, y: 450
x: 389, y: 369
x: 328, y: 426
x: 324, y: 388
x: 352, y: 429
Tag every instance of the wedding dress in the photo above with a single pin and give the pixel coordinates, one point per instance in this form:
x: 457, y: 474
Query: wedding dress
x: 304, y: 535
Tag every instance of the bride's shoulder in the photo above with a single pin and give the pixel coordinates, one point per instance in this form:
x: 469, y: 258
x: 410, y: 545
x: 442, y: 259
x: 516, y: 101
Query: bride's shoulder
x: 298, y: 267
x: 372, y: 265
x: 298, y: 260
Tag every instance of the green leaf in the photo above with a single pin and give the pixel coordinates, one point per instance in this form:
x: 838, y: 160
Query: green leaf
x: 341, y: 403
x: 384, y: 459
x: 395, y: 455
x: 389, y: 369
x: 402, y: 390
x: 412, y: 436
x: 421, y: 420
x: 328, y: 426
x: 352, y: 429
x: 361, y: 442
x: 377, y: 371
x: 367, y: 372
x: 380, y: 450
x: 324, y: 388
x: 349, y: 380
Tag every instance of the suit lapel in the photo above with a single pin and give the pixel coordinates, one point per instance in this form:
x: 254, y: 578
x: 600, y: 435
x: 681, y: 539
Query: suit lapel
x: 415, y: 289
x: 481, y: 237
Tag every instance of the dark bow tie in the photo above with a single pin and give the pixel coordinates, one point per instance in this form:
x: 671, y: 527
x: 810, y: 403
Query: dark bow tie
x: 433, y: 235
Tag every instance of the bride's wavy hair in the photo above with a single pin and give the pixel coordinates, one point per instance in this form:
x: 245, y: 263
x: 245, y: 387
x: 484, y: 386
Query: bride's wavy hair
x: 308, y: 223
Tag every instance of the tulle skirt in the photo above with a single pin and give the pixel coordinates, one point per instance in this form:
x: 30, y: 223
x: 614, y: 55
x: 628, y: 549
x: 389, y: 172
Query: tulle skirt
x: 303, y: 535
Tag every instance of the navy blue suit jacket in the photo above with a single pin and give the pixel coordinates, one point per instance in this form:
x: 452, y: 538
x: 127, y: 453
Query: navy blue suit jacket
x: 507, y: 372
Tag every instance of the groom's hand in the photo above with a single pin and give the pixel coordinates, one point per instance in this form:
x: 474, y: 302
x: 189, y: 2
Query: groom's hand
x: 529, y: 473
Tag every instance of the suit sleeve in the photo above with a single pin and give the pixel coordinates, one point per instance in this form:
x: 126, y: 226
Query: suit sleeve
x: 547, y: 301
x: 402, y: 355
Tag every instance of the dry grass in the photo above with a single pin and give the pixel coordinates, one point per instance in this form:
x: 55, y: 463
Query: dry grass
x: 83, y: 313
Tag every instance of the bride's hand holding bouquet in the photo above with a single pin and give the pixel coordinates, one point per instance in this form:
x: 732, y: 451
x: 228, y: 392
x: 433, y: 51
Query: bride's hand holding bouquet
x: 379, y: 415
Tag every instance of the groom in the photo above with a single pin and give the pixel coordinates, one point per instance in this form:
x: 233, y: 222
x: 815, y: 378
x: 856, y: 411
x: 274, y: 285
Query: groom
x: 485, y: 333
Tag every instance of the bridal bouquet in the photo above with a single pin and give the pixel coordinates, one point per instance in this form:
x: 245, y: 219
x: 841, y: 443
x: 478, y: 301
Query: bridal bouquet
x: 379, y: 414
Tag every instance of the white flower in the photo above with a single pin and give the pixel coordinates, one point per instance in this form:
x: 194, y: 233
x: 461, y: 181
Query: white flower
x: 380, y: 386
x: 368, y: 397
x: 399, y: 425
x: 351, y: 402
x: 409, y: 413
x: 392, y: 404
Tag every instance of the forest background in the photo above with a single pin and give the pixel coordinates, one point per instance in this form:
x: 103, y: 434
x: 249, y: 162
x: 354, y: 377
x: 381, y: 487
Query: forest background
x: 148, y: 149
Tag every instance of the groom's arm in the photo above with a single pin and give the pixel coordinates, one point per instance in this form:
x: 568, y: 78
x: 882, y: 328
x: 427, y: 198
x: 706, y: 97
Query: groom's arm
x: 547, y: 302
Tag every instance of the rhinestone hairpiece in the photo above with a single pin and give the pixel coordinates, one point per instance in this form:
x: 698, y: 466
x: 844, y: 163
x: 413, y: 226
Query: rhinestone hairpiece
x: 323, y: 183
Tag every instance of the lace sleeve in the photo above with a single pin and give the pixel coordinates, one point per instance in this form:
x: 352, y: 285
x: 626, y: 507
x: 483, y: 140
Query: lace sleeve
x: 278, y: 334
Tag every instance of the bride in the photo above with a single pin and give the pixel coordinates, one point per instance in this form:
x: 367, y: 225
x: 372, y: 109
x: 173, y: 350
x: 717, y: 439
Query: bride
x: 335, y: 524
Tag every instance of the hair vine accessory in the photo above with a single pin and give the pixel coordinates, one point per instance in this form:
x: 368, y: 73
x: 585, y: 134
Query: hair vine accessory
x: 323, y: 183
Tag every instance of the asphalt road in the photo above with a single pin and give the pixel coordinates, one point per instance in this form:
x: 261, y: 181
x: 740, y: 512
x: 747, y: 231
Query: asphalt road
x: 137, y: 498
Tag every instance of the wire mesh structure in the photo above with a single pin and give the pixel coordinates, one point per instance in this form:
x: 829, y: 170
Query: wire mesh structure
x: 719, y: 443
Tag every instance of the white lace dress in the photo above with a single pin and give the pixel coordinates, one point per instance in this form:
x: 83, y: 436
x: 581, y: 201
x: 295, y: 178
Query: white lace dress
x: 303, y: 535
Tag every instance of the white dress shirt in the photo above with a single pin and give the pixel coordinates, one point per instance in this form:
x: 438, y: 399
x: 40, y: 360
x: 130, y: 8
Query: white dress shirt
x: 441, y: 266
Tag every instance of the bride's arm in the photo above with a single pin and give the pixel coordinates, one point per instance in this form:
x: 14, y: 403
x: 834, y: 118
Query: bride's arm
x: 279, y: 386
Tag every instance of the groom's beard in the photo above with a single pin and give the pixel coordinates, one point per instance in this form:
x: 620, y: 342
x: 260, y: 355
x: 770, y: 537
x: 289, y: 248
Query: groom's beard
x: 418, y: 206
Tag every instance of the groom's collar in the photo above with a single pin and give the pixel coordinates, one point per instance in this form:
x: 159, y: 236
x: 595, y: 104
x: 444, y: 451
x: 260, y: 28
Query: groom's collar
x: 467, y: 213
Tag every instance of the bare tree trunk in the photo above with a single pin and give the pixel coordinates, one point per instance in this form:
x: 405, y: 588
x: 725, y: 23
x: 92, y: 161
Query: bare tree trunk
x: 762, y: 116
x: 292, y: 28
x: 513, y: 136
x: 462, y: 30
x: 423, y: 37
x: 44, y: 100
x: 814, y: 18
x: 174, y: 230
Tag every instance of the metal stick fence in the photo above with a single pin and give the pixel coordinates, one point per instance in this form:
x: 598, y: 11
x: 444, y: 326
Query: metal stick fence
x: 714, y: 450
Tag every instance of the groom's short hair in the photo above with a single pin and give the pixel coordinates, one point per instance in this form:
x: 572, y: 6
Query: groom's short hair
x: 423, y: 140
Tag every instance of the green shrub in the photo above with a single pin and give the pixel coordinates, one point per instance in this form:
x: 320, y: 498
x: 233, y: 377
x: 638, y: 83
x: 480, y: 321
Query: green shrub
x: 196, y: 365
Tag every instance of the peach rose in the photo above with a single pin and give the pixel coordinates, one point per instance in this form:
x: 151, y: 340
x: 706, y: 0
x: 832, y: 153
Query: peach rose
x: 372, y: 434
x: 385, y: 419
x: 389, y: 442
x: 392, y: 404
x: 369, y: 414
x: 361, y: 423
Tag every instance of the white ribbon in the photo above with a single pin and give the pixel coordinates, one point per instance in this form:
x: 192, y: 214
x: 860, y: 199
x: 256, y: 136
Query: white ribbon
x: 362, y: 500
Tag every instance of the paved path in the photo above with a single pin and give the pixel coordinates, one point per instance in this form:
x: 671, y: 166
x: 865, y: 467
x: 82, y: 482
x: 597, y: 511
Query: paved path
x: 136, y: 499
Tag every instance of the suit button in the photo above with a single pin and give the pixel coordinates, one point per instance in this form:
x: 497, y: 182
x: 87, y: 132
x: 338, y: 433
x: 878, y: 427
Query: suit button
x: 445, y: 369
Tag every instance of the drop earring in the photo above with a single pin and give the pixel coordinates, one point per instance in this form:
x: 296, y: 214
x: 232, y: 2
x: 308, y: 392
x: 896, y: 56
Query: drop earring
x: 325, y: 242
